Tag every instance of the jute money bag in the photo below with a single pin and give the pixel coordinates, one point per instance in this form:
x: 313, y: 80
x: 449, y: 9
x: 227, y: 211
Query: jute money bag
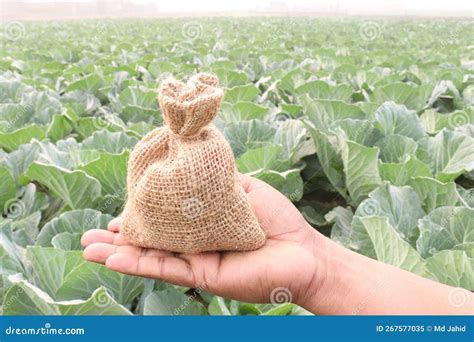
x: 183, y: 189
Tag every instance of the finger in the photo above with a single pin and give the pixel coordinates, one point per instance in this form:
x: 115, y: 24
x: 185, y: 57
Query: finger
x: 101, y: 235
x: 251, y: 184
x: 168, y: 268
x: 114, y: 225
x: 99, y: 252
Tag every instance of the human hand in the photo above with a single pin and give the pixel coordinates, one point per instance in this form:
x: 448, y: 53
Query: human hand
x: 287, y: 260
x: 293, y: 264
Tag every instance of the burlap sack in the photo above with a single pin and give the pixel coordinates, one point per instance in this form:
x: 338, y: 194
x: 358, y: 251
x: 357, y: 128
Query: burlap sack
x: 183, y: 190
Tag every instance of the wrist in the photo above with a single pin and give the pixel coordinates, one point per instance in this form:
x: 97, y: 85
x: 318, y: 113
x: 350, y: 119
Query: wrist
x: 347, y: 283
x: 313, y: 291
x: 340, y: 277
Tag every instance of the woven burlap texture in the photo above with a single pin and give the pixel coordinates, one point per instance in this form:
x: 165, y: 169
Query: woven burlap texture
x: 183, y: 189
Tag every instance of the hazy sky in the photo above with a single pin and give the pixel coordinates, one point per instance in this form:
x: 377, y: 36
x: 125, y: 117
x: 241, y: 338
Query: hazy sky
x: 179, y: 5
x: 395, y: 7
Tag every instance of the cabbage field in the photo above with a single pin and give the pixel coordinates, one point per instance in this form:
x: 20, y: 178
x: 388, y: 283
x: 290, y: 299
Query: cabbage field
x: 367, y: 126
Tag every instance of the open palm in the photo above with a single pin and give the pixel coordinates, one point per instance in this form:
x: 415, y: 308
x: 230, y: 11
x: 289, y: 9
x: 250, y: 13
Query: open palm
x: 246, y: 276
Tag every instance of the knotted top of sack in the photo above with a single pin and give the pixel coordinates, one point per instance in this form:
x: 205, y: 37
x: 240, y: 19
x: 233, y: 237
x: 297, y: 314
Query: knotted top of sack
x: 188, y: 107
